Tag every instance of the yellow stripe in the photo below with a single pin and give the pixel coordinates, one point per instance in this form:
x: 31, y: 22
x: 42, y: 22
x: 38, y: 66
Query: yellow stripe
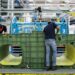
x: 32, y: 74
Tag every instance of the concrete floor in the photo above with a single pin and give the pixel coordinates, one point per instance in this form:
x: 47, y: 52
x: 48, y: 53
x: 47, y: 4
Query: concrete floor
x: 58, y: 71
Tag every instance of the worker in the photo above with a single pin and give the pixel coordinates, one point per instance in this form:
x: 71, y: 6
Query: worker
x: 50, y: 42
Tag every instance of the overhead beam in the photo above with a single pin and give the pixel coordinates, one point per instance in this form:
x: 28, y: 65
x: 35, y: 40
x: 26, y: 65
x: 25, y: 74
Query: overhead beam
x: 24, y: 11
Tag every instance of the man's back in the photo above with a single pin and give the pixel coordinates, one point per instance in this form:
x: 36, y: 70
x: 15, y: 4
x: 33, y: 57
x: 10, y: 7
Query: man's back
x: 49, y: 30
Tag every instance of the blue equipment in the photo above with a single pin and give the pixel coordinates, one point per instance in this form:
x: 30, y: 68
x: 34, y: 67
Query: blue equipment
x: 18, y: 27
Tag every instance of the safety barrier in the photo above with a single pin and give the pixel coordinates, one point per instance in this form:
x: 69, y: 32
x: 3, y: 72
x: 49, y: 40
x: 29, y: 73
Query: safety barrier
x: 33, y: 50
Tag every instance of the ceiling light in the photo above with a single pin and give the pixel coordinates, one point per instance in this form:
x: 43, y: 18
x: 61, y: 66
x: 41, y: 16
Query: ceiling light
x: 30, y: 0
x: 49, y: 0
x: 67, y: 1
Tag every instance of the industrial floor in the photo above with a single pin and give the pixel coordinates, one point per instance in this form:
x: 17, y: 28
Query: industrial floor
x: 69, y: 71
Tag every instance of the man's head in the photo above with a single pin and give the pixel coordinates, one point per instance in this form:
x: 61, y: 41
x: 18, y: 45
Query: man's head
x: 48, y: 22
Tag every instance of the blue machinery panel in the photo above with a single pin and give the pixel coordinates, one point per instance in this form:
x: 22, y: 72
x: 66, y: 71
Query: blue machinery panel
x: 63, y: 27
x: 17, y: 28
x: 27, y: 27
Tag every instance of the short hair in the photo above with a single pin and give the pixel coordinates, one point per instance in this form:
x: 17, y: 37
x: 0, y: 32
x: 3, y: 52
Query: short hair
x: 48, y: 22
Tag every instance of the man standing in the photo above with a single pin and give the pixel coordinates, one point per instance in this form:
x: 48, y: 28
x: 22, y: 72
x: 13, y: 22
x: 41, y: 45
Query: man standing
x: 49, y: 32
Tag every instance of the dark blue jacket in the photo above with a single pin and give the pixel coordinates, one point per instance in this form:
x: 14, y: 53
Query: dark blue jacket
x: 49, y: 30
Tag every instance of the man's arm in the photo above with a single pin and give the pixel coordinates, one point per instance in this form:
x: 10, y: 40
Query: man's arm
x: 44, y: 30
x: 57, y: 29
